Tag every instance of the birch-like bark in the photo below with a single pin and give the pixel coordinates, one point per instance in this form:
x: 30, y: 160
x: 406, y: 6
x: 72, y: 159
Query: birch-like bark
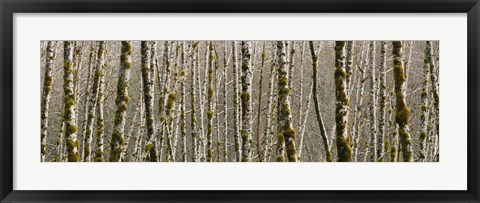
x: 137, y: 149
x: 349, y: 65
x: 269, y: 129
x: 210, y: 105
x: 201, y: 96
x: 303, y: 125
x: 225, y: 106
x: 183, y: 93
x: 246, y: 105
x: 88, y: 92
x: 425, y: 110
x: 122, y: 100
x: 164, y: 86
x: 99, y: 148
x: 291, y: 67
x: 435, y: 93
x: 402, y: 114
x: 381, y: 149
x: 359, y: 101
x: 69, y: 114
x: 47, y: 88
x: 193, y: 54
x: 323, y: 131
x: 236, y: 106
x: 92, y: 108
x: 373, y: 105
x: 150, y: 147
x: 259, y: 112
x: 300, y: 98
x: 285, y: 131
x: 128, y: 135
x: 342, y: 104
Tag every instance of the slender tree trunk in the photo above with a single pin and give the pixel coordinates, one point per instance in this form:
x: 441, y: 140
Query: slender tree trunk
x: 77, y: 59
x: 210, y: 95
x: 269, y: 129
x: 150, y: 147
x: 99, y: 155
x: 183, y: 93
x: 424, y: 95
x: 88, y: 92
x: 342, y: 104
x: 225, y: 99
x: 216, y: 105
x: 285, y: 131
x: 246, y: 105
x: 47, y: 88
x: 383, y: 103
x: 201, y: 96
x: 72, y: 144
x: 303, y: 125
x: 402, y: 112
x: 236, y: 102
x: 59, y: 152
x: 122, y: 100
x: 259, y: 112
x: 136, y: 151
x: 373, y: 105
x: 291, y: 67
x: 323, y: 132
x: 435, y: 92
x: 128, y: 136
x: 92, y: 108
x: 193, y: 62
x: 349, y: 65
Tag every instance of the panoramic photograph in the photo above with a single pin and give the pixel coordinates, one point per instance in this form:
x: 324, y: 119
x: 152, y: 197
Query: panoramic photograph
x: 239, y: 101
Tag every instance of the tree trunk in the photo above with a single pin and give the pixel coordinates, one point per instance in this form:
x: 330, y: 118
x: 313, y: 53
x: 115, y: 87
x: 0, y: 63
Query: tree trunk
x: 150, y: 147
x: 72, y: 144
x: 193, y: 55
x: 435, y: 92
x: 99, y: 156
x: 383, y: 103
x: 201, y: 95
x: 92, y: 108
x: 424, y: 95
x: 246, y: 105
x: 259, y: 113
x: 291, y: 67
x: 402, y: 114
x: 236, y: 102
x: 285, y: 131
x: 47, y: 88
x: 373, y: 105
x: 183, y: 74
x: 210, y: 105
x: 128, y: 136
x: 342, y: 105
x: 122, y: 100
x: 269, y: 129
x: 91, y: 61
x: 349, y: 65
x: 225, y: 106
x: 323, y: 132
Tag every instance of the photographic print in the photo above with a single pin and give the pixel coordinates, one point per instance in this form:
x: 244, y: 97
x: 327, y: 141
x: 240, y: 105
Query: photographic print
x: 239, y: 101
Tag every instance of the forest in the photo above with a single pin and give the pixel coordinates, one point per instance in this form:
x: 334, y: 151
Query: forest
x: 239, y: 101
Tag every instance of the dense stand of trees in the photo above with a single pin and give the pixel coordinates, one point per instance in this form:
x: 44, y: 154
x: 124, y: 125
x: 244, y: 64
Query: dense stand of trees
x: 240, y: 101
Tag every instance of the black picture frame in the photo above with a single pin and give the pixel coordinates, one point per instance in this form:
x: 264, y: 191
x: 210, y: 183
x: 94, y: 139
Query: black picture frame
x: 10, y: 7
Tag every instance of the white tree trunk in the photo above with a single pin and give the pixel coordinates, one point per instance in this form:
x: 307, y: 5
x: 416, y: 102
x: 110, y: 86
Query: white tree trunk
x: 122, y: 100
x: 47, y: 88
x: 246, y: 105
